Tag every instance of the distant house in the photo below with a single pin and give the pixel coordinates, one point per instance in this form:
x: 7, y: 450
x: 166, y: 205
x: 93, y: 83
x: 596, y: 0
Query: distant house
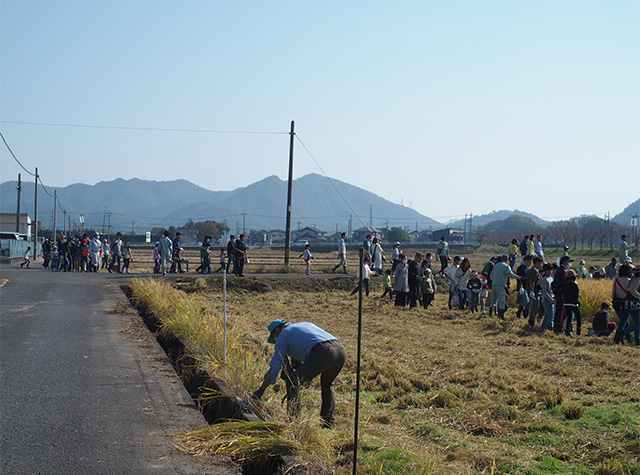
x: 308, y: 233
x: 424, y: 236
x: 361, y: 233
x: 8, y: 223
x: 258, y: 237
x: 451, y: 235
x: 277, y: 236
x: 188, y: 236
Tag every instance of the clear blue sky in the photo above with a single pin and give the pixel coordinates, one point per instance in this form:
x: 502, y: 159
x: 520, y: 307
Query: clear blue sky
x: 450, y: 107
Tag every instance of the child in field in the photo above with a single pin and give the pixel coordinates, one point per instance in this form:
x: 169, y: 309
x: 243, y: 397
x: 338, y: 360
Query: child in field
x: 223, y: 260
x: 428, y: 288
x: 205, y: 258
x: 571, y: 299
x: 366, y: 275
x: 601, y: 321
x: 474, y: 286
x: 126, y: 257
x: 306, y: 255
x: 27, y: 257
x: 55, y: 259
x: 483, y: 295
x: 388, y: 289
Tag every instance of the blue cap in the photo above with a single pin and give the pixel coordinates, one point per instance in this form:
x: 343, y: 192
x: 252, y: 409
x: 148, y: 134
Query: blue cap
x: 272, y: 326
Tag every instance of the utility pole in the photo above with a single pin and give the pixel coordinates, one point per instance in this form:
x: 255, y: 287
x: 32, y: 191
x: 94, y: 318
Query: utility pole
x: 350, y: 226
x: 287, y: 236
x: 64, y: 223
x: 464, y: 233
x: 55, y: 213
x: 244, y: 222
x: 470, y: 226
x: 371, y: 216
x: 104, y: 217
x: 19, y: 188
x: 35, y: 235
x: 109, y: 227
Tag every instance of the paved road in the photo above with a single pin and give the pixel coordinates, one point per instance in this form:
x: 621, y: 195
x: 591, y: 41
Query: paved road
x: 83, y: 387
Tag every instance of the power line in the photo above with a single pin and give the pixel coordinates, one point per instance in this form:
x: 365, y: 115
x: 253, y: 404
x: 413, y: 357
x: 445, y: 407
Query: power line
x: 145, y: 129
x: 14, y: 156
x: 330, y: 181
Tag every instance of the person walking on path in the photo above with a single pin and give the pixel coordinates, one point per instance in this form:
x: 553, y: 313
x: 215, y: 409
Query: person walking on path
x: 27, y: 257
x: 176, y: 258
x: 116, y: 252
x: 342, y: 254
x: 442, y: 252
x: 95, y: 247
x: 165, y: 249
x: 105, y: 254
x: 126, y: 257
x: 315, y: 353
x: 231, y: 254
x: 306, y: 255
x: 241, y: 256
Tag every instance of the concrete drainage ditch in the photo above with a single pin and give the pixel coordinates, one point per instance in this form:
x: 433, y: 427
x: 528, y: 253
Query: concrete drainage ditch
x: 198, y: 382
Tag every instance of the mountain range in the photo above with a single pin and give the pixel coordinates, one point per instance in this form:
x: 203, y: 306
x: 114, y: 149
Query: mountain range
x: 327, y: 204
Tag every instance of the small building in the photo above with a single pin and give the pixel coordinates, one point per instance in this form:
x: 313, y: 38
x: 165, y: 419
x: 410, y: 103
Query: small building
x: 451, y: 235
x: 8, y: 223
x: 308, y: 233
x: 424, y: 236
x: 277, y: 236
x: 258, y: 237
x: 361, y: 233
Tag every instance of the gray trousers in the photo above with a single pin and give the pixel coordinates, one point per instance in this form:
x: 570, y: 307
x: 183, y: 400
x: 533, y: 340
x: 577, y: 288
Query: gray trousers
x: 326, y: 359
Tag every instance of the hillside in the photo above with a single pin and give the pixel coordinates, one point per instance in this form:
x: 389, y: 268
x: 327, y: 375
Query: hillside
x: 484, y: 219
x: 624, y: 218
x: 143, y: 204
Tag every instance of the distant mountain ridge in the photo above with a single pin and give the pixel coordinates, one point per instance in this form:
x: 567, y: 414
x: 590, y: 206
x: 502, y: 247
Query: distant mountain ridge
x: 142, y: 204
x: 484, y: 219
x: 317, y: 201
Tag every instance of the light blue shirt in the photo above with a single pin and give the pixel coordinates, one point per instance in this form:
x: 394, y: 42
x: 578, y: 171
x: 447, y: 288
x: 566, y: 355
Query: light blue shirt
x: 501, y: 273
x: 296, y: 341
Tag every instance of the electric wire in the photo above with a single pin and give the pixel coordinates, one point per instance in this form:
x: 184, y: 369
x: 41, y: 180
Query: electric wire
x: 14, y: 156
x: 330, y: 180
x: 145, y: 129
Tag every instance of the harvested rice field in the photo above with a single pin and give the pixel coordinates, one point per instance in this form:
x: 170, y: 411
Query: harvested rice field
x: 443, y: 391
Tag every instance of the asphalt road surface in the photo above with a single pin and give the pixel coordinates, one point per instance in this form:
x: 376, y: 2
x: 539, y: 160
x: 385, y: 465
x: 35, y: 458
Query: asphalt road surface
x: 84, y: 388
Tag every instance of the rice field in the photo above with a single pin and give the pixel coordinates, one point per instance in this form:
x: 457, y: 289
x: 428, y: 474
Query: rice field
x: 443, y: 392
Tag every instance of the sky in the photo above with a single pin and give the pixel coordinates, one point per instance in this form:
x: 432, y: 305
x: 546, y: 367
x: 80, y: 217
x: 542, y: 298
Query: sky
x: 447, y: 107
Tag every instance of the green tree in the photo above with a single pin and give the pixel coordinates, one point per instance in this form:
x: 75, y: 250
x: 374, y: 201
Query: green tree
x: 398, y: 234
x: 211, y: 228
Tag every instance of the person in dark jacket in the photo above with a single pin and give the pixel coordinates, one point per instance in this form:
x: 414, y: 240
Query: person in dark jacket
x: 415, y: 286
x: 571, y: 303
x: 241, y: 255
x: 557, y: 284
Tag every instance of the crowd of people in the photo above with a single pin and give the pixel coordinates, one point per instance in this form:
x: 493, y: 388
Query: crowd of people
x: 548, y: 293
x: 85, y: 254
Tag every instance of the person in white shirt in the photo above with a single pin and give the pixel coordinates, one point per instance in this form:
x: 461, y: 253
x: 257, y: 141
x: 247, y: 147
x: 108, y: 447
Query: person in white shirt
x: 450, y: 276
x: 342, y: 254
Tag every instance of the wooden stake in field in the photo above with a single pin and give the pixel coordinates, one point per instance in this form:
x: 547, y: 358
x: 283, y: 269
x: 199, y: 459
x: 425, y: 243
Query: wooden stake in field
x: 224, y: 315
x: 355, y: 425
